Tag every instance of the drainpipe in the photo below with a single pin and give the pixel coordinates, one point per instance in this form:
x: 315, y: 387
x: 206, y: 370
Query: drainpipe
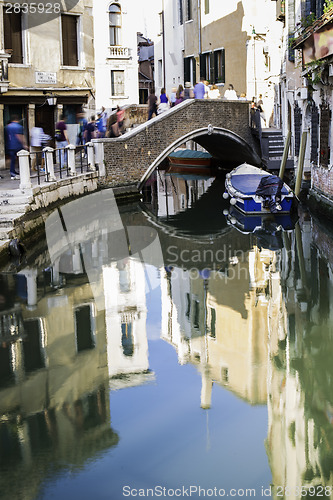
x: 199, y: 26
x: 163, y: 42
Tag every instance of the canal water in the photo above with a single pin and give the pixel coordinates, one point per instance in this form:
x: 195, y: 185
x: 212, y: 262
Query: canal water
x: 167, y: 350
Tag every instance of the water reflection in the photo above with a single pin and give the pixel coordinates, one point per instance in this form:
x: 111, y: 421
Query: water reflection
x: 253, y: 322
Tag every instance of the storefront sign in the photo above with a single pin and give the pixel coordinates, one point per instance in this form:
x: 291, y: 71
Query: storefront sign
x: 44, y: 77
x: 318, y: 45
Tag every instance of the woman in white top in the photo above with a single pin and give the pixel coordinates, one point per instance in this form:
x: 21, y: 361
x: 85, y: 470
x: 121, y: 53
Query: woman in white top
x: 213, y: 92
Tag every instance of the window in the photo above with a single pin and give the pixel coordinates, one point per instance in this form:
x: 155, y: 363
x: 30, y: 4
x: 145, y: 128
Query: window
x: 206, y: 6
x: 69, y: 40
x: 180, y: 10
x: 212, y: 329
x: 161, y: 22
x: 207, y: 67
x: 84, y: 328
x: 13, y: 36
x: 117, y: 83
x: 190, y: 70
x: 196, y: 314
x: 115, y: 24
x: 34, y: 345
x: 219, y: 66
x: 188, y: 10
x: 127, y: 339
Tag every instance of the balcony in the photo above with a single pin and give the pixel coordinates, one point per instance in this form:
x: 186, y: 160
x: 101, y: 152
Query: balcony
x: 116, y: 52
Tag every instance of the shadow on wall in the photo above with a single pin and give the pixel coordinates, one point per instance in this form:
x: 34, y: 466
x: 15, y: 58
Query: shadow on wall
x: 227, y: 32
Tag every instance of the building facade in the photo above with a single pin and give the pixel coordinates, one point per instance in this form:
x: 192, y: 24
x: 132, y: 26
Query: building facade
x: 306, y: 86
x: 223, y: 42
x: 115, y: 43
x: 49, y: 54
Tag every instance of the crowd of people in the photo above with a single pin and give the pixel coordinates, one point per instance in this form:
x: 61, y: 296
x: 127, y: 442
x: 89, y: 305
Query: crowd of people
x: 108, y: 126
x: 202, y: 90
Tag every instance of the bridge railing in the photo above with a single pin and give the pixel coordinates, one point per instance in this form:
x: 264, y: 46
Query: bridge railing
x: 53, y: 164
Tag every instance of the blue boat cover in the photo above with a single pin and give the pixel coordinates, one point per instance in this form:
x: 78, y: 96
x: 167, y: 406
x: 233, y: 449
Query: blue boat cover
x: 248, y: 184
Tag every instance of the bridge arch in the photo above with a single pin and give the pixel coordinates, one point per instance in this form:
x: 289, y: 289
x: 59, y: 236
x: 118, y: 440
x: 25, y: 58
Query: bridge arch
x: 217, y: 141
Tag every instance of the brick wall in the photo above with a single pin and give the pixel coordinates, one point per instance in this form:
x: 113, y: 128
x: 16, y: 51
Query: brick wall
x: 127, y: 158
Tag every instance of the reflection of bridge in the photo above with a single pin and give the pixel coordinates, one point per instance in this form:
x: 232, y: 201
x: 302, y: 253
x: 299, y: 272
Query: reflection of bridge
x: 132, y: 232
x: 221, y: 127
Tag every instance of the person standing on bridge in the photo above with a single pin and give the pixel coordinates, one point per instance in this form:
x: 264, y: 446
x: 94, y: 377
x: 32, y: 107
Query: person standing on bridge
x: 164, y: 102
x: 152, y: 104
x: 200, y: 89
x: 230, y: 93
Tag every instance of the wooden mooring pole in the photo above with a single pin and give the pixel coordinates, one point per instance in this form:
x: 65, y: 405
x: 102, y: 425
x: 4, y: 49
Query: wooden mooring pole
x: 300, y: 166
x: 285, y: 155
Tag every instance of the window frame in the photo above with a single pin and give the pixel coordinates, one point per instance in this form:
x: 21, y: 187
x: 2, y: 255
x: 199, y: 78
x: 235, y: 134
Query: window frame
x: 23, y: 39
x: 117, y: 28
x: 78, y: 40
x: 123, y: 83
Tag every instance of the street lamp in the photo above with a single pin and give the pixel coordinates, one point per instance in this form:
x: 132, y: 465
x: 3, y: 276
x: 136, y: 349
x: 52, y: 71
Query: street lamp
x: 51, y: 100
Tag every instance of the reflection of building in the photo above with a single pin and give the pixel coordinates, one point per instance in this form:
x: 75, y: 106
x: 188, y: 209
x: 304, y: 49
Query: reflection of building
x: 178, y: 193
x: 57, y: 354
x: 54, y: 400
x: 125, y: 313
x: 218, y: 321
x: 300, y: 370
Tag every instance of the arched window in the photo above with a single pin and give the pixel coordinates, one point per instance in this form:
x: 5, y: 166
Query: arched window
x: 115, y: 24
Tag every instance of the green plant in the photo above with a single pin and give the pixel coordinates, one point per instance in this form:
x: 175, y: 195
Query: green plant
x: 328, y: 6
x: 308, y: 20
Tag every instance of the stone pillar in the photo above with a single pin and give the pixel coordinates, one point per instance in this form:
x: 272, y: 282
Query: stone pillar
x: 76, y: 259
x: 24, y: 166
x: 91, y: 155
x: 49, y: 166
x: 31, y: 277
x: 71, y: 159
x: 31, y: 117
x: 99, y: 149
x: 2, y: 139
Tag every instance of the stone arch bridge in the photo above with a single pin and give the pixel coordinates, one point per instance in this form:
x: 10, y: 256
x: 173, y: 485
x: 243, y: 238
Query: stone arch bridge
x: 221, y: 127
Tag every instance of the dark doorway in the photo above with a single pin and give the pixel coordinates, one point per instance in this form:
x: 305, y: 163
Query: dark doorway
x: 44, y: 117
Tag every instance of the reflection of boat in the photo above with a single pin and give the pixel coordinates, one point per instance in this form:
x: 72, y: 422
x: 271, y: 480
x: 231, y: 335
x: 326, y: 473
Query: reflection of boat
x: 252, y: 191
x: 190, y: 161
x: 267, y: 228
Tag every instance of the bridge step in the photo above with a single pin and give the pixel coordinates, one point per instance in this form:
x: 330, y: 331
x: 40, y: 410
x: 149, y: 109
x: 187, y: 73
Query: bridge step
x: 272, y: 149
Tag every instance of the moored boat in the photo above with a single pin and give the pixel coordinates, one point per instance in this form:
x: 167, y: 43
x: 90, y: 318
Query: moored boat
x: 190, y: 161
x: 254, y: 191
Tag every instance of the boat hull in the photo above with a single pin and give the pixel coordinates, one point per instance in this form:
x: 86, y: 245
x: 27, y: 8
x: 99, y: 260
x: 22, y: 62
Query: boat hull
x: 242, y: 184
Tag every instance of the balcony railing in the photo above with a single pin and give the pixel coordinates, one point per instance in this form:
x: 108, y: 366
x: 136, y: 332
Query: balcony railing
x: 119, y: 52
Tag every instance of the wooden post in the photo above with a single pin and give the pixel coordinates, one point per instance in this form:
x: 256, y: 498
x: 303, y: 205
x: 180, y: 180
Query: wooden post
x: 300, y: 163
x: 285, y: 155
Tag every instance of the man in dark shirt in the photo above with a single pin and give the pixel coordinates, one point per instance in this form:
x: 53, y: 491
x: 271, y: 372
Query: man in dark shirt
x: 90, y: 132
x: 15, y: 142
x: 62, y: 140
x: 152, y: 106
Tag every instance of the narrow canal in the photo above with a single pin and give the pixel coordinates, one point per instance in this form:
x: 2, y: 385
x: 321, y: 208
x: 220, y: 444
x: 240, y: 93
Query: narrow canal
x: 165, y: 350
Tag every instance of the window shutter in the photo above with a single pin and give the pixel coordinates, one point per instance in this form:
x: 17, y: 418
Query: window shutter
x: 69, y: 40
x: 187, y: 70
x: 13, y: 36
x: 194, y: 70
x: 202, y: 66
x: 212, y: 68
